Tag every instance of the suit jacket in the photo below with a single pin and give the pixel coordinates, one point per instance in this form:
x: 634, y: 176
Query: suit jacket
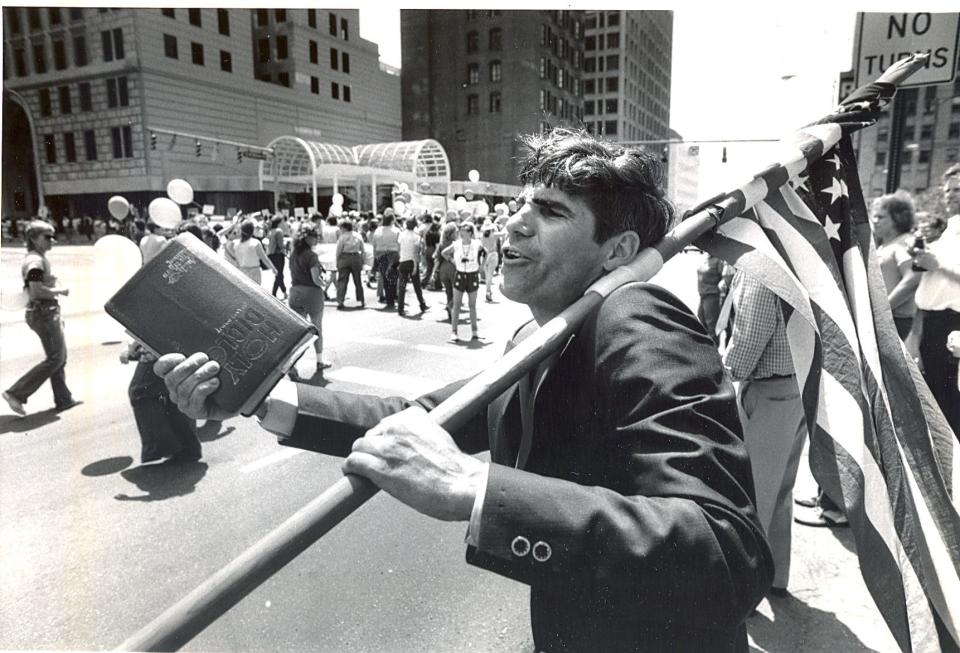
x: 632, y: 519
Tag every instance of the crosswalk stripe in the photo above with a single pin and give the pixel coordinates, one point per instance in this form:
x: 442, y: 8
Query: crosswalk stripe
x: 279, y: 456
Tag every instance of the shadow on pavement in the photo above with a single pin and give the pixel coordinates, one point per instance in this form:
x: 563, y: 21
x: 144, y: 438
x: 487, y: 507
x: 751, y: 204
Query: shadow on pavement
x: 798, y: 627
x: 33, y: 421
x: 213, y: 430
x: 107, y: 466
x: 163, y: 481
x: 845, y: 537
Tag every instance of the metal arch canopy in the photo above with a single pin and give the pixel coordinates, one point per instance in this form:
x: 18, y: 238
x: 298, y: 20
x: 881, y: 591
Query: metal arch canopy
x: 298, y: 161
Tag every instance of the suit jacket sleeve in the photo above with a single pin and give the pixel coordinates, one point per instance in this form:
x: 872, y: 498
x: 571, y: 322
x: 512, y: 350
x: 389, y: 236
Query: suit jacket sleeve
x: 666, y: 523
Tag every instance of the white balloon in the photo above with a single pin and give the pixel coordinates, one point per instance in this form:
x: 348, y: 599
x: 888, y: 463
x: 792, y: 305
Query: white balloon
x: 460, y: 202
x: 115, y: 259
x: 512, y: 205
x: 165, y: 213
x: 483, y: 208
x: 118, y: 206
x: 180, y: 191
x: 473, y: 176
x: 399, y: 206
x: 336, y: 210
x: 403, y: 188
x: 337, y: 199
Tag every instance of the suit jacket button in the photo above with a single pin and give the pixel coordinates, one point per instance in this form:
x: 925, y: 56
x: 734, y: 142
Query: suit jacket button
x: 542, y: 551
x: 520, y: 546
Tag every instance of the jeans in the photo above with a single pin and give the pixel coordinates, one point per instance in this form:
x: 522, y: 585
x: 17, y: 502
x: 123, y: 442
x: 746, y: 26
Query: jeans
x: 44, y: 319
x: 349, y: 265
x: 386, y: 265
x: 409, y: 272
x: 278, y: 283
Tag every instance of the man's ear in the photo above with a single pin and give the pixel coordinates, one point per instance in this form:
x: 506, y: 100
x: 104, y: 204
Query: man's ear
x: 620, y: 249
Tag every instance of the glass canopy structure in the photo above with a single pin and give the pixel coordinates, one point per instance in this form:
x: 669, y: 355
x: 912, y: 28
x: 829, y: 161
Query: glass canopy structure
x: 299, y: 162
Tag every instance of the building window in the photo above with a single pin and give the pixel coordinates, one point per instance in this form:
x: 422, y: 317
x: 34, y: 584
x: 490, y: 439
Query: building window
x: 65, y: 105
x: 345, y: 62
x: 315, y: 84
x: 122, y: 141
x: 312, y: 19
x: 334, y: 90
x: 906, y: 158
x: 346, y: 93
x: 881, y: 159
x: 20, y: 62
x: 613, y: 19
x: 59, y: 55
x: 90, y: 144
x: 169, y: 13
x: 924, y: 156
x: 613, y: 40
x: 112, y: 44
x: 590, y: 43
x: 333, y: 24
x: 33, y: 19
x: 952, y: 155
x: 13, y: 19
x: 281, y: 47
x: 53, y: 17
x: 223, y: 21
x: 69, y: 147
x: 496, y: 39
x: 494, y: 103
x: 610, y: 127
x: 79, y: 51
x: 543, y: 100
x: 76, y: 13
x: 473, y: 104
x: 543, y: 67
x: 226, y: 61
x: 170, y: 46
x: 590, y: 65
x: 908, y: 132
x: 117, y: 92
x: 194, y: 16
x: 263, y: 50
x: 588, y: 107
x: 86, y: 104
x: 314, y: 54
x: 263, y: 17
x: 473, y: 42
x: 280, y: 15
x: 589, y: 86
x: 926, y: 132
x: 284, y: 78
x: 50, y: 144
x: 473, y: 74
x: 39, y: 59
x: 44, y: 95
x: 344, y: 32
x: 610, y: 105
x: 496, y: 71
x: 954, y: 132
x: 196, y: 53
x: 613, y: 84
x: 334, y: 59
x: 613, y: 62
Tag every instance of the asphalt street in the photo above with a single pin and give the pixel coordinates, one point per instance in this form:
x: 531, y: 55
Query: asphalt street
x: 94, y: 545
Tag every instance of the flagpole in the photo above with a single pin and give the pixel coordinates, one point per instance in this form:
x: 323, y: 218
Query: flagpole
x: 185, y: 619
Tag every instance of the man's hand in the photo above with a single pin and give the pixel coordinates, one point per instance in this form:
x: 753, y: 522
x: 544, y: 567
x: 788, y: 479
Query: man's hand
x: 191, y: 381
x: 417, y: 462
x: 926, y: 260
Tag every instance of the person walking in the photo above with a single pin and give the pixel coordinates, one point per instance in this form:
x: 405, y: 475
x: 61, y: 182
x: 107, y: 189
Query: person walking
x: 276, y: 252
x: 43, y: 318
x: 408, y: 267
x: 446, y: 270
x: 465, y: 255
x: 306, y: 286
x: 386, y: 253
x: 490, y: 236
x: 349, y: 258
x: 250, y: 254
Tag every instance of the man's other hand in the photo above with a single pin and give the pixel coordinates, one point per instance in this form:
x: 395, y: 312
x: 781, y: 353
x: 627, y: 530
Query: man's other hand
x: 190, y: 382
x: 409, y: 456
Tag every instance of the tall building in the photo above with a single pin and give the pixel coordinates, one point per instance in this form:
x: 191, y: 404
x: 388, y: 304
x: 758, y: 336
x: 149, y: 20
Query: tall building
x: 626, y: 74
x: 476, y: 80
x: 92, y: 97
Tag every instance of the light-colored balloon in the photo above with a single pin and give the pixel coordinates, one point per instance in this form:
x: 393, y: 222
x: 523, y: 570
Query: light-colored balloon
x: 13, y: 299
x: 180, y: 191
x: 406, y: 197
x: 165, y: 213
x: 118, y: 206
x: 468, y: 194
x: 483, y: 208
x: 460, y: 202
x: 473, y: 176
x: 336, y: 210
x: 115, y: 259
x: 403, y: 188
x: 337, y: 199
x: 400, y: 206
x: 512, y: 205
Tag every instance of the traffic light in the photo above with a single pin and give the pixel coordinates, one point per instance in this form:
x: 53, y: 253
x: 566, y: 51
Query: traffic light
x: 723, y: 159
x: 153, y: 140
x: 199, y: 148
x: 239, y: 155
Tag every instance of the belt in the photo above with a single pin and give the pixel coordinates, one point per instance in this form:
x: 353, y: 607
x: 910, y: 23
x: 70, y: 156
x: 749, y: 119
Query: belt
x: 776, y: 377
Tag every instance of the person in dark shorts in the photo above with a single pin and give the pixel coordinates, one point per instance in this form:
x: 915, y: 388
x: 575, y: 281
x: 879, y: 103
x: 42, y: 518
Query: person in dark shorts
x: 465, y: 255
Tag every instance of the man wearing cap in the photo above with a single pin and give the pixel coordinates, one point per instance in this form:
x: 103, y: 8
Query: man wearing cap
x: 43, y: 317
x: 618, y: 487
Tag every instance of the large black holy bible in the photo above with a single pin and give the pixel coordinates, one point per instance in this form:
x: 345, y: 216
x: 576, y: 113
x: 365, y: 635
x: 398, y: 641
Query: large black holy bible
x: 189, y: 299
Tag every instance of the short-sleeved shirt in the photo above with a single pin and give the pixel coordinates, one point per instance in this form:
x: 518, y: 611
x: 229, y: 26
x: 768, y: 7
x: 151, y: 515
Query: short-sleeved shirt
x: 36, y: 267
x: 300, y: 265
x: 409, y: 241
x: 275, y: 242
x: 466, y: 259
x: 350, y: 243
x: 385, y: 239
x: 892, y: 257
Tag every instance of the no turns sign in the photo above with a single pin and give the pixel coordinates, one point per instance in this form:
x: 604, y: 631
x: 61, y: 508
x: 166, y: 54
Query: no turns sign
x: 883, y: 39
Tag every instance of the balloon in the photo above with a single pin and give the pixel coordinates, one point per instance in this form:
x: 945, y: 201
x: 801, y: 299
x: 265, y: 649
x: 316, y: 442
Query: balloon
x: 115, y: 259
x: 180, y: 191
x: 165, y: 213
x: 483, y: 208
x: 460, y: 202
x: 399, y: 206
x: 469, y: 194
x: 512, y: 205
x: 336, y: 210
x: 337, y: 199
x: 406, y: 197
x: 473, y: 176
x: 403, y: 188
x: 118, y: 206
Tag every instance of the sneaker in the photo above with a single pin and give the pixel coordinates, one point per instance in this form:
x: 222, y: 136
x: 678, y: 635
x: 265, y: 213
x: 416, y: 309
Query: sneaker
x: 475, y: 336
x: 15, y: 404
x: 454, y: 338
x: 423, y: 308
x: 810, y: 502
x: 821, y: 517
x: 489, y: 298
x: 323, y: 365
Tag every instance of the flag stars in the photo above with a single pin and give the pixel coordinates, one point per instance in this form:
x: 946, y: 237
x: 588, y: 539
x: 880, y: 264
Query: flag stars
x: 799, y: 183
x: 832, y: 228
x: 837, y: 189
x: 835, y: 160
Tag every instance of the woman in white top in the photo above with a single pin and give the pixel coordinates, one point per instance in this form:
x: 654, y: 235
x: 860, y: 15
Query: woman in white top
x: 465, y: 255
x: 250, y: 254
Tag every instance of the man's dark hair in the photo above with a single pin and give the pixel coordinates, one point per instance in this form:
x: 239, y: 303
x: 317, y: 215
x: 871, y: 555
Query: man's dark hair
x: 346, y: 225
x: 387, y: 220
x: 275, y: 221
x: 621, y: 186
x: 411, y: 223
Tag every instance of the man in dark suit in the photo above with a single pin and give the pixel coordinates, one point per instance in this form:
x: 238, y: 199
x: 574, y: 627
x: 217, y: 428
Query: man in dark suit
x: 618, y: 487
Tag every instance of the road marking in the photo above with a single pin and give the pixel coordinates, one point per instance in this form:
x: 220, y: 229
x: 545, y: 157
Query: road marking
x: 408, y: 385
x: 279, y: 456
x: 444, y: 350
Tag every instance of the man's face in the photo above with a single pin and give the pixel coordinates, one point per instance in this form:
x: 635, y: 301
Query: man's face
x: 43, y: 242
x: 550, y: 256
x: 951, y: 195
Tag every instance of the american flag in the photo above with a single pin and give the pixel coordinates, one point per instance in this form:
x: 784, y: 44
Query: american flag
x: 877, y: 439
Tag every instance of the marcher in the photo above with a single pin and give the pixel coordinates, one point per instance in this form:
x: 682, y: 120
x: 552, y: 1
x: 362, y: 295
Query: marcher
x: 306, y: 286
x: 892, y: 219
x: 250, y: 254
x: 408, y: 266
x: 277, y: 253
x: 465, y: 255
x: 349, y: 257
x: 446, y: 270
x: 43, y: 318
x: 490, y: 236
x: 386, y: 252
x: 618, y: 488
